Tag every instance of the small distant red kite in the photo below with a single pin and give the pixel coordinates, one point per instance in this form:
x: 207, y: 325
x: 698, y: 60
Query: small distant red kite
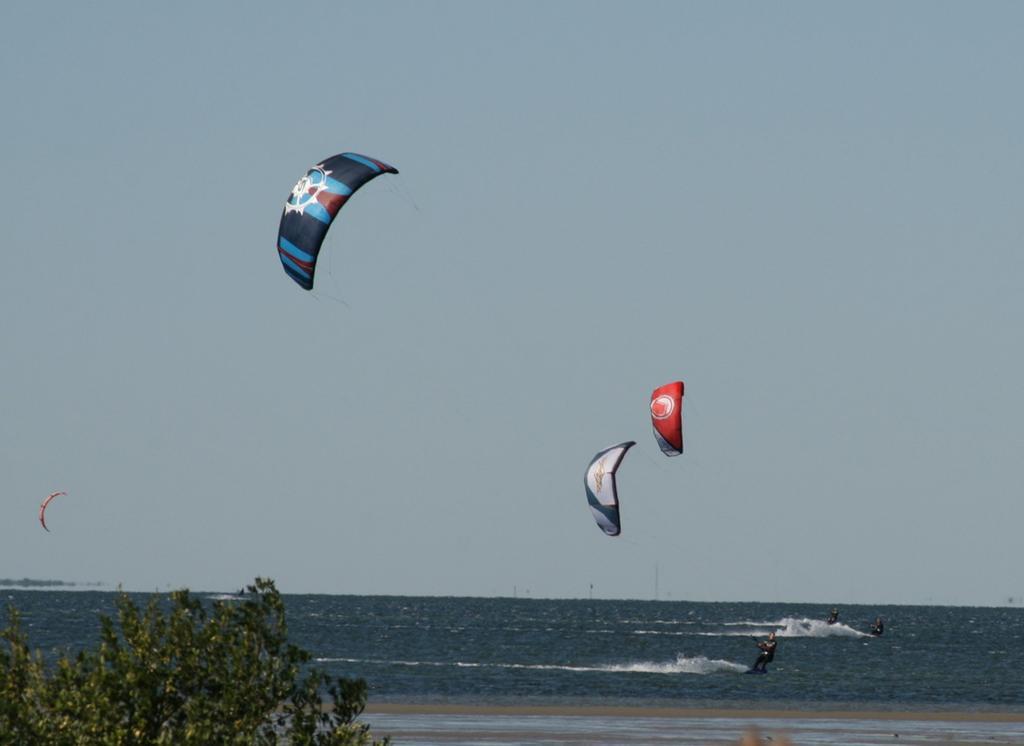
x: 42, y: 508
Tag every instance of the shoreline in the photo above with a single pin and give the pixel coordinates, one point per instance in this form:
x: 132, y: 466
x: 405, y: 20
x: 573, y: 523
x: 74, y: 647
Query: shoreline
x: 683, y: 713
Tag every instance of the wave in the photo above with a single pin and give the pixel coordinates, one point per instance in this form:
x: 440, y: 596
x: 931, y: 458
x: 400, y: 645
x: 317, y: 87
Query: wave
x: 698, y: 665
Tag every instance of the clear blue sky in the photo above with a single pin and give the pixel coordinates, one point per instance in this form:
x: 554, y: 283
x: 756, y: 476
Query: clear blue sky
x: 811, y: 213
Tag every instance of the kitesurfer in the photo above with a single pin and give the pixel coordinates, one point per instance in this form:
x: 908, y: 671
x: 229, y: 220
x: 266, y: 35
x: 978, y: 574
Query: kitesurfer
x: 767, y: 653
x: 833, y: 616
x: 878, y: 628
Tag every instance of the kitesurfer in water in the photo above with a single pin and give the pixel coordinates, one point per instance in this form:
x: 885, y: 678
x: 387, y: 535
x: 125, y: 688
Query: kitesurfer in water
x: 833, y: 616
x: 767, y: 653
x: 878, y: 628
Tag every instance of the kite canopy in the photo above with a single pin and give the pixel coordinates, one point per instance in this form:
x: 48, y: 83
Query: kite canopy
x: 667, y: 417
x: 602, y: 494
x: 42, y: 508
x: 314, y: 203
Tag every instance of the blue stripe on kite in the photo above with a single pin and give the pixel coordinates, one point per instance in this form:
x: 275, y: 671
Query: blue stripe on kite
x: 336, y: 187
x: 289, y: 264
x: 316, y: 210
x: 302, y: 282
x: 294, y: 250
x: 365, y: 161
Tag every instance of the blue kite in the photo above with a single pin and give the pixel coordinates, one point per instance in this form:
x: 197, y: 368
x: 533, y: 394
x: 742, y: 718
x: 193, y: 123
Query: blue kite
x: 314, y: 203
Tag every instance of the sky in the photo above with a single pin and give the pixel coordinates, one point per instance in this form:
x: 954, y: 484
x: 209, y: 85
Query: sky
x: 809, y: 212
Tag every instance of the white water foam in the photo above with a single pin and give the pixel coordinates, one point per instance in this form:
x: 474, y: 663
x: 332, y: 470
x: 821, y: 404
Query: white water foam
x: 804, y: 627
x: 225, y: 597
x: 787, y: 627
x: 698, y: 665
x: 682, y: 664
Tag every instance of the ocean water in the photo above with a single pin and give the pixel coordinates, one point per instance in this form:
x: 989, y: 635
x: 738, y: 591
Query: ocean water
x: 495, y: 651
x: 502, y: 650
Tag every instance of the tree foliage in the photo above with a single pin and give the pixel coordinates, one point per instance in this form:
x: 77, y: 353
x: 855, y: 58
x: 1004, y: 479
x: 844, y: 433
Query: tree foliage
x: 179, y: 671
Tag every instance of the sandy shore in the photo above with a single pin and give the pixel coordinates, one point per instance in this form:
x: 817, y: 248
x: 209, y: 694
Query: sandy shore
x: 528, y: 725
x: 689, y: 712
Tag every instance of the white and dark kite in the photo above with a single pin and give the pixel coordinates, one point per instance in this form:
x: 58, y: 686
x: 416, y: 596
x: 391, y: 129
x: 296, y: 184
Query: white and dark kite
x: 602, y: 494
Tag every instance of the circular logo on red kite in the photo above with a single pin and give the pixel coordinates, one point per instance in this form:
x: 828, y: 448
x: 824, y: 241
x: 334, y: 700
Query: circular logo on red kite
x: 662, y: 407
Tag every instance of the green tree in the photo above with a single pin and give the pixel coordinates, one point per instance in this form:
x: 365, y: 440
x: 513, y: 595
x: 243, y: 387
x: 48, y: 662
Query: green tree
x: 179, y: 671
